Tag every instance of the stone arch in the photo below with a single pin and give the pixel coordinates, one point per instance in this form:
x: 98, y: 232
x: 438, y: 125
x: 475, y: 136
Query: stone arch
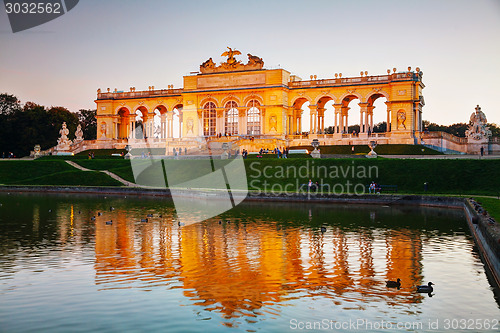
x: 324, y: 112
x: 141, y: 125
x: 120, y: 107
x: 231, y: 117
x: 371, y: 97
x: 141, y: 107
x: 209, y: 99
x: 229, y: 98
x: 321, y: 100
x: 373, y: 111
x: 178, y: 118
x: 251, y: 97
x: 301, y: 100
x: 299, y: 117
x: 346, y: 98
x: 178, y: 106
x: 163, y: 109
x: 254, y: 117
x: 209, y: 116
x: 353, y: 115
x: 123, y: 124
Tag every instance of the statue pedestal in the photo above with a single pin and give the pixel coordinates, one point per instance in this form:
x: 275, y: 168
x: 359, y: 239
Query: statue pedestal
x: 315, y: 154
x: 372, y: 154
x: 103, y: 137
x: 474, y: 146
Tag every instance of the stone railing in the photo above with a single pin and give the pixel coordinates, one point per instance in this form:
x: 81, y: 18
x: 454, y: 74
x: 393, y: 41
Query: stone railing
x: 444, y: 135
x: 139, y: 94
x: 357, y: 80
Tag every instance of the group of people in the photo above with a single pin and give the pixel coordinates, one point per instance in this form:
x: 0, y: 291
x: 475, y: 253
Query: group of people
x: 178, y: 151
x: 374, y: 188
x: 280, y: 153
x: 91, y: 155
x: 244, y: 153
x: 9, y: 155
x: 220, y: 135
x: 312, y: 186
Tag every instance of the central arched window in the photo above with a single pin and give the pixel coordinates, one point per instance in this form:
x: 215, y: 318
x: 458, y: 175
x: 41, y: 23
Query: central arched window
x: 253, y: 118
x: 209, y: 119
x: 231, y: 118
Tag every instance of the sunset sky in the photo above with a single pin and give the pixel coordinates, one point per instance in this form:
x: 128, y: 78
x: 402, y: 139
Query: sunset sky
x: 119, y: 44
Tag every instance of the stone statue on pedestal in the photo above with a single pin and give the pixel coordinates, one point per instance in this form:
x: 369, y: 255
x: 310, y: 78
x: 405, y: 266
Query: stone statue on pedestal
x: 63, y: 143
x: 477, y: 127
x: 478, y: 134
x: 78, y: 134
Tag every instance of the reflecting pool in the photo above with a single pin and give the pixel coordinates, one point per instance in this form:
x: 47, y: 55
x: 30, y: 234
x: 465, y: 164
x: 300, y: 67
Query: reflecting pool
x: 268, y: 267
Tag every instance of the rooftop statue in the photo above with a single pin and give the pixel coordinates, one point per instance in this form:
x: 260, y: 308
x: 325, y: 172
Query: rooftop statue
x: 230, y: 56
x: 231, y: 63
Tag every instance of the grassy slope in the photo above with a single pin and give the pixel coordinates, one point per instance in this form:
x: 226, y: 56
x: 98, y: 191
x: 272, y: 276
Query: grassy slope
x: 492, y: 205
x: 444, y: 176
x: 50, y: 173
x: 380, y: 149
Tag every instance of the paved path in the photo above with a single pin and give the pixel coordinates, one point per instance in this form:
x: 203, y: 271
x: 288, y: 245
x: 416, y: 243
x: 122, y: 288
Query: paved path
x: 112, y: 175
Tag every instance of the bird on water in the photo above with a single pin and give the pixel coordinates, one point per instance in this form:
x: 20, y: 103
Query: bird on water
x: 393, y: 284
x: 425, y: 288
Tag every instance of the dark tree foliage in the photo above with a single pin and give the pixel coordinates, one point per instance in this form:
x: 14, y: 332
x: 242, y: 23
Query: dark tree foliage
x: 9, y: 104
x: 377, y: 128
x: 23, y: 128
x: 494, y: 128
x: 89, y: 123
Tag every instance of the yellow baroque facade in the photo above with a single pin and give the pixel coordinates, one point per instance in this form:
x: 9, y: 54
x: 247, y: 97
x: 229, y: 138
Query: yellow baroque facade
x: 256, y: 104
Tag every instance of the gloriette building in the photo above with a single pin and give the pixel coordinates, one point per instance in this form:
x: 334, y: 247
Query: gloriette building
x: 242, y: 100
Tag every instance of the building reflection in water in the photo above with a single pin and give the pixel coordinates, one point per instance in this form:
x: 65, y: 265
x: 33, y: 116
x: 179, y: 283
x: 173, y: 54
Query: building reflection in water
x: 244, y: 268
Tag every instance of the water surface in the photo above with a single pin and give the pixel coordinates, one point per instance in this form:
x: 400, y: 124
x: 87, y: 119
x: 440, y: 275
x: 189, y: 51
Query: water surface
x: 260, y: 267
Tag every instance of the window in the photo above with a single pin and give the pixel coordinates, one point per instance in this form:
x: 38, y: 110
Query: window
x: 253, y: 118
x: 209, y: 119
x: 232, y: 115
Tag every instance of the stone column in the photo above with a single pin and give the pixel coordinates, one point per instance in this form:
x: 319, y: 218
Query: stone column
x: 370, y: 113
x: 321, y: 122
x: 242, y: 121
x: 363, y: 121
x: 389, y: 115
x: 338, y: 119
x: 162, y: 125
x: 132, y: 129
x: 313, y: 111
x: 345, y: 114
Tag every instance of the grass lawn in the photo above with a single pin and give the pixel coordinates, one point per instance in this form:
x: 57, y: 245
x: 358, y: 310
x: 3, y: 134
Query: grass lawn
x: 41, y: 172
x: 380, y: 149
x: 119, y: 167
x: 492, y: 205
x: 450, y: 176
x: 444, y: 176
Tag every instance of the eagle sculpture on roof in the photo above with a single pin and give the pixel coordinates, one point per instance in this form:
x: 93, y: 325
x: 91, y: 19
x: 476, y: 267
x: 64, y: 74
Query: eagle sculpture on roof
x: 230, y: 56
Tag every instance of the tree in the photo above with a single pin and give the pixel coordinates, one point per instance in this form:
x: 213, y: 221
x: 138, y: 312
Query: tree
x: 88, y: 121
x: 495, y: 129
x: 457, y: 129
x: 23, y: 128
x: 380, y: 127
x: 9, y: 104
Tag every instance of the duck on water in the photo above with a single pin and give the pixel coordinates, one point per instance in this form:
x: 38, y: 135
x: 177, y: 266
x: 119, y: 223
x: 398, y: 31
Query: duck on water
x: 425, y: 288
x: 394, y: 284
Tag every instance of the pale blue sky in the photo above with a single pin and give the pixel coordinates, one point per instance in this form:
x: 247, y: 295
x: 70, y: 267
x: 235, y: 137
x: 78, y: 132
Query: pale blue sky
x: 119, y: 44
